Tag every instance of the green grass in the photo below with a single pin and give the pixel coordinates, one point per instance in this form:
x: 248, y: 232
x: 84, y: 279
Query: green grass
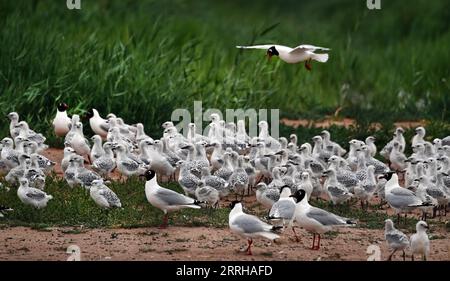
x: 142, y: 59
x: 74, y: 207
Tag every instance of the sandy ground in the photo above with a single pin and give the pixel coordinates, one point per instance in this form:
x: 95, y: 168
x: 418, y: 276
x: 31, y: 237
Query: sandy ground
x: 344, y: 122
x: 185, y: 243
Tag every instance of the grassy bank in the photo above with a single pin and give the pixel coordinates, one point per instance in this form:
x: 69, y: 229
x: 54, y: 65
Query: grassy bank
x: 142, y: 59
x: 74, y: 207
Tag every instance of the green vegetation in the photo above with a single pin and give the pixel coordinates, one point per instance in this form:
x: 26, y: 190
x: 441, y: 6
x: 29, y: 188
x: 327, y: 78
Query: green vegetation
x: 142, y: 59
x: 74, y: 207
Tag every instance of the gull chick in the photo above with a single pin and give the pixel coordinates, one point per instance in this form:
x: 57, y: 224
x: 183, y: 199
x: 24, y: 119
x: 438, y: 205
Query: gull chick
x: 420, y: 243
x: 396, y: 240
x: 103, y: 196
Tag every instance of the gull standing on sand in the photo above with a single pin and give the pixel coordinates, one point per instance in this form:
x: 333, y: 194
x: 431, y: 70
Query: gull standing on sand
x: 400, y: 199
x: 61, y: 122
x: 165, y: 199
x: 396, y: 240
x: 284, y: 210
x: 316, y: 220
x: 207, y: 194
x: 248, y: 226
x: 302, y: 53
x: 267, y: 196
x: 420, y: 243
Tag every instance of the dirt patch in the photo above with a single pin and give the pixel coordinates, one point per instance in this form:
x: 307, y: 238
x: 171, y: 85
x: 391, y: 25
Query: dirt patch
x: 186, y: 243
x: 345, y: 122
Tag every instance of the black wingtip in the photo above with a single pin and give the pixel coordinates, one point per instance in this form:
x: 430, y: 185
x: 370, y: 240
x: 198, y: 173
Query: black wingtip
x: 199, y: 203
x: 4, y: 208
x: 275, y: 228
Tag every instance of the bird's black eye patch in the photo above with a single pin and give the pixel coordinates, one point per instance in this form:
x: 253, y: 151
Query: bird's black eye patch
x: 150, y: 174
x: 62, y: 107
x: 233, y: 203
x: 273, y: 51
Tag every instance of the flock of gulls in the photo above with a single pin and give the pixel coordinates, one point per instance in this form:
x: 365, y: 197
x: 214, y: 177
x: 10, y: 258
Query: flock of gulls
x: 226, y: 164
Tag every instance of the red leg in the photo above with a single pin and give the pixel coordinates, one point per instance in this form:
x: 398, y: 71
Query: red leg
x: 308, y: 65
x: 314, y: 241
x: 318, y: 243
x: 249, y: 248
x: 295, y: 234
x: 165, y: 222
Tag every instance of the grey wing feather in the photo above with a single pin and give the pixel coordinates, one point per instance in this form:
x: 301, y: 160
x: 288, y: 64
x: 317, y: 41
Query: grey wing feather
x: 250, y: 224
x: 325, y: 218
x: 309, y: 48
x: 436, y: 193
x: 111, y: 197
x: 282, y: 210
x: 402, y: 197
x: 396, y: 237
x: 336, y: 191
x: 36, y: 194
x: 273, y: 194
x: 402, y: 192
x: 173, y: 198
x: 130, y: 165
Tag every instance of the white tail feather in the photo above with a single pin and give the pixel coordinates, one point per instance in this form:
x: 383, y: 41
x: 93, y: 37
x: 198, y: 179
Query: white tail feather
x: 320, y: 57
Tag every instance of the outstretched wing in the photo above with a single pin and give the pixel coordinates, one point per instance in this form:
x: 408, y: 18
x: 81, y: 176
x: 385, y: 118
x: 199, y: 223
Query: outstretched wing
x: 311, y: 48
x: 262, y: 47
